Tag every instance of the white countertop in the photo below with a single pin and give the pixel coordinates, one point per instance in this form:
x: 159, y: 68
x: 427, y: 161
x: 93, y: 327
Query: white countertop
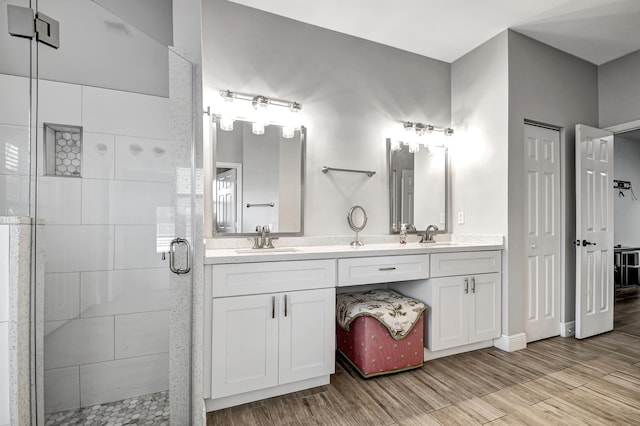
x: 245, y: 255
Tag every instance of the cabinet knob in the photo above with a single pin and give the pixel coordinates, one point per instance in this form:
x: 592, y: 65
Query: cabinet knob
x: 533, y: 246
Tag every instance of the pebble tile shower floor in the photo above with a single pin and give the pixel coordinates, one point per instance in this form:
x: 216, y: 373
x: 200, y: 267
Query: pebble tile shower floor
x: 152, y: 409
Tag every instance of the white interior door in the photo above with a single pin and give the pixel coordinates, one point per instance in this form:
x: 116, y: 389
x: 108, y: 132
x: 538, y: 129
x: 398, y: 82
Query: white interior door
x: 226, y: 201
x: 594, y: 231
x: 542, y: 218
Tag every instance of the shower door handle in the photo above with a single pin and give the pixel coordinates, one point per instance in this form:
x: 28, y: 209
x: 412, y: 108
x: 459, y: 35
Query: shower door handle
x: 172, y: 256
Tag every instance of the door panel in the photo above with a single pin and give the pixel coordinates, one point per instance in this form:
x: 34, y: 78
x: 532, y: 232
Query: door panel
x: 594, y: 231
x: 484, y: 307
x: 307, y: 335
x: 542, y: 216
x: 450, y: 314
x: 247, y: 359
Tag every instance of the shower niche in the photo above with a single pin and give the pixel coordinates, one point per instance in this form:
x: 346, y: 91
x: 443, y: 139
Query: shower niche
x: 63, y: 150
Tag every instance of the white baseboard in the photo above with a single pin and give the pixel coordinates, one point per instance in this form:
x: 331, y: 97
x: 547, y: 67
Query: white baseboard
x: 568, y: 329
x: 512, y: 343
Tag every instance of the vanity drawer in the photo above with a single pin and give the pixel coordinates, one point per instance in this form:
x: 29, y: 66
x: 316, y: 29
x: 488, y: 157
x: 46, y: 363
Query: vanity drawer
x: 268, y: 277
x: 465, y: 263
x: 371, y: 270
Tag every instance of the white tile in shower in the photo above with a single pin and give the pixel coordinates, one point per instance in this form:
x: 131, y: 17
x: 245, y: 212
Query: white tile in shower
x: 78, y: 341
x: 142, y: 334
x: 135, y: 247
x: 4, y: 273
x: 72, y: 248
x: 143, y: 159
x: 123, y: 202
x: 61, y: 296
x: 16, y: 195
x: 123, y: 378
x: 98, y: 152
x: 61, y: 389
x: 59, y: 103
x: 125, y: 113
x: 16, y: 89
x: 14, y: 150
x: 4, y: 373
x: 124, y: 291
x: 59, y: 200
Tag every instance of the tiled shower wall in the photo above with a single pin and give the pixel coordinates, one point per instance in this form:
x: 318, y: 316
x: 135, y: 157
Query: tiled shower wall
x: 106, y: 287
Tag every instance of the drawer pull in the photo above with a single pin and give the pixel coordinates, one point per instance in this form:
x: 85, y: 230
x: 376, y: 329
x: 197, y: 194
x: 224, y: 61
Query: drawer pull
x: 473, y: 284
x: 273, y: 307
x: 285, y: 305
x: 466, y: 285
x: 391, y: 268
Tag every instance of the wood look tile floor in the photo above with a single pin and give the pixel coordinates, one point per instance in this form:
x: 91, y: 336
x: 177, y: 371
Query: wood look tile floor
x: 558, y: 381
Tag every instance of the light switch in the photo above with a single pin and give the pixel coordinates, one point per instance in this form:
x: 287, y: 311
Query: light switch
x: 460, y: 218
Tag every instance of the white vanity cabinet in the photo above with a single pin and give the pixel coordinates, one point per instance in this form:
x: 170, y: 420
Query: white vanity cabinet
x: 464, y: 296
x: 270, y: 343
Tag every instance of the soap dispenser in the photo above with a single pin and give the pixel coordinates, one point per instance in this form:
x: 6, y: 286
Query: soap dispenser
x: 403, y: 234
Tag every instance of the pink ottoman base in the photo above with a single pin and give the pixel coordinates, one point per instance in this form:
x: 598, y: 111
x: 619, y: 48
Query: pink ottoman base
x: 369, y: 347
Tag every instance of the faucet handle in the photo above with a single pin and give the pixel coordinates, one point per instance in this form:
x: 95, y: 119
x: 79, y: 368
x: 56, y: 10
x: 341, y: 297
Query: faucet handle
x: 422, y: 237
x: 268, y: 243
x: 258, y: 228
x: 266, y: 229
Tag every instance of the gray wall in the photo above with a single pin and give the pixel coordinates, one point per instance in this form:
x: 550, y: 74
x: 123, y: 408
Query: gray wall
x: 547, y: 86
x: 626, y: 210
x: 353, y: 93
x: 479, y: 114
x: 619, y: 90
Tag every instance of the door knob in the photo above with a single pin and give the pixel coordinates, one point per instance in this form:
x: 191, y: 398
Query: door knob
x: 587, y: 243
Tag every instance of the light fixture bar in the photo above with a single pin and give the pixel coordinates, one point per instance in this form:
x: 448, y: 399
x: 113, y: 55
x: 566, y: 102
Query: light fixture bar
x: 252, y: 98
x: 421, y: 128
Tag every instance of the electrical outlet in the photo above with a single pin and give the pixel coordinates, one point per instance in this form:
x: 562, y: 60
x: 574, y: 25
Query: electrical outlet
x: 442, y: 218
x: 460, y: 218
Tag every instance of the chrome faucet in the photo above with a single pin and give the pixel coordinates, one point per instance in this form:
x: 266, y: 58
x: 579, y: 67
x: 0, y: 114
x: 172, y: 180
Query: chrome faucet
x: 263, y: 240
x: 427, y: 237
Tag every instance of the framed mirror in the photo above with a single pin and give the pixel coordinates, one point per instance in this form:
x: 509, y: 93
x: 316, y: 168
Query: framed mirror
x: 418, y: 188
x: 255, y: 180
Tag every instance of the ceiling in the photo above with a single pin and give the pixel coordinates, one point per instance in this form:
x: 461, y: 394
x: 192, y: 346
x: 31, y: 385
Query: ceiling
x: 595, y: 30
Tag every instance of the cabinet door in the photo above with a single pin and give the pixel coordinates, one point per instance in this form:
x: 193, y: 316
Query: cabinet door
x: 307, y: 334
x: 484, y: 307
x: 244, y: 355
x: 449, y: 314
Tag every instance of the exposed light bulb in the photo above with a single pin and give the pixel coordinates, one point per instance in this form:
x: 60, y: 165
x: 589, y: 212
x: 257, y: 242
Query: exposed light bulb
x: 226, y: 123
x: 261, y: 105
x: 288, y: 132
x: 228, y: 111
x: 414, y: 147
x: 293, y: 120
x: 396, y: 145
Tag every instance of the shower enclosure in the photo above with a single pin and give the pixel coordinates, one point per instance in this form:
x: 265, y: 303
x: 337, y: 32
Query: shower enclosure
x: 98, y: 151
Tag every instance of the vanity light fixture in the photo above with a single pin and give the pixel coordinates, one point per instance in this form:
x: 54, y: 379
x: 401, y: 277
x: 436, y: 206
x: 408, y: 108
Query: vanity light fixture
x: 416, y: 134
x: 293, y: 120
x: 261, y: 105
x: 227, y: 117
x: 260, y: 110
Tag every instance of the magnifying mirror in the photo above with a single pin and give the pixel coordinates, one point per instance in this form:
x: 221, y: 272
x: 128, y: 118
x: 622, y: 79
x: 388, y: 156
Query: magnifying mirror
x: 357, y: 219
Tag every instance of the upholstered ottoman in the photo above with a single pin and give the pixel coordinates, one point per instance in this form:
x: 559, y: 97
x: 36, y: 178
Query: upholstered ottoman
x: 380, y: 331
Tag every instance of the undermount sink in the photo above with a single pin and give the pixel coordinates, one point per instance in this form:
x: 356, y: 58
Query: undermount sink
x: 266, y: 251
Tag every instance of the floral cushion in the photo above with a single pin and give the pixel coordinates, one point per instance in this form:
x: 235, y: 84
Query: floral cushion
x: 397, y: 313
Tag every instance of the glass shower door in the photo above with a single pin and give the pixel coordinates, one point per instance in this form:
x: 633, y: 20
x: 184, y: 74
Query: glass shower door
x: 113, y: 191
